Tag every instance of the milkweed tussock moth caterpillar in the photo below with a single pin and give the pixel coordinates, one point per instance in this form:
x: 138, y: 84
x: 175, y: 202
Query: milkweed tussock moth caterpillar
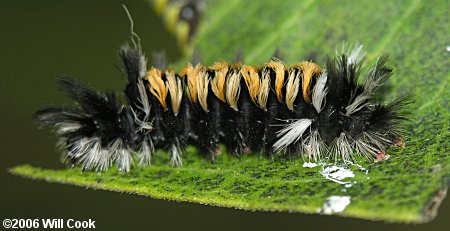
x: 298, y: 110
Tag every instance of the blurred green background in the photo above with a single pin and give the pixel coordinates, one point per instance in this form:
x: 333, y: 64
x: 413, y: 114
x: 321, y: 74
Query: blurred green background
x: 46, y: 39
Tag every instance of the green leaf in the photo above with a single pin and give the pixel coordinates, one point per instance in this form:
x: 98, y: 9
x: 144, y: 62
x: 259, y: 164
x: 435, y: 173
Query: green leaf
x: 407, y: 188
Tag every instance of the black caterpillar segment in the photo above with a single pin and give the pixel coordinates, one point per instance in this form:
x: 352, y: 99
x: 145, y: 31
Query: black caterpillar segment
x: 299, y: 110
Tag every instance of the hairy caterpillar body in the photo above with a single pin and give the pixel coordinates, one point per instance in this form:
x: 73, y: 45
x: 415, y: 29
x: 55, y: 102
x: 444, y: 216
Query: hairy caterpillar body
x: 299, y: 110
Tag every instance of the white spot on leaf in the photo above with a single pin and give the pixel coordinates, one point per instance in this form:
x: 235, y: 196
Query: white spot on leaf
x: 336, y: 174
x: 309, y: 165
x: 335, y: 204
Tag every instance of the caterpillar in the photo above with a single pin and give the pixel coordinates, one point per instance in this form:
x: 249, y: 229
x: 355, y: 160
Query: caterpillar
x: 299, y: 110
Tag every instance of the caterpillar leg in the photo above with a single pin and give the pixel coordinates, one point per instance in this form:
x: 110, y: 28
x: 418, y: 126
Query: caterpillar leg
x: 381, y: 156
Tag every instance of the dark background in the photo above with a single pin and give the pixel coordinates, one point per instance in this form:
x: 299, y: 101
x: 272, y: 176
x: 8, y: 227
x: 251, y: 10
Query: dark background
x: 41, y: 40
